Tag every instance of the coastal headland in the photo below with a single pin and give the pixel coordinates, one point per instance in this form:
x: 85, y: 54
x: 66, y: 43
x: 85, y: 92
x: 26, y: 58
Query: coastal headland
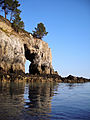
x: 16, y: 48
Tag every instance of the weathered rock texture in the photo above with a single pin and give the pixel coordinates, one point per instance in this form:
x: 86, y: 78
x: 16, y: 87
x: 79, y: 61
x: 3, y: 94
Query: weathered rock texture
x: 16, y: 48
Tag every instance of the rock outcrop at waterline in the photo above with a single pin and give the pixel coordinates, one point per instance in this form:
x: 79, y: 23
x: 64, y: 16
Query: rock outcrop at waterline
x: 41, y: 78
x: 16, y: 48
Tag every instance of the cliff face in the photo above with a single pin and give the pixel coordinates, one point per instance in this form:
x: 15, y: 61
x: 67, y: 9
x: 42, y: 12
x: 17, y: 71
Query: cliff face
x: 16, y: 48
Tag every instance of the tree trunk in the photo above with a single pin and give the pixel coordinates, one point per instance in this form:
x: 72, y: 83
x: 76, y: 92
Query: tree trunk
x: 11, y: 17
x: 5, y: 13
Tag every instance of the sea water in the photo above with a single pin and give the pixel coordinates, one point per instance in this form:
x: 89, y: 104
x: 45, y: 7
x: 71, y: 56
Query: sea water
x: 44, y: 101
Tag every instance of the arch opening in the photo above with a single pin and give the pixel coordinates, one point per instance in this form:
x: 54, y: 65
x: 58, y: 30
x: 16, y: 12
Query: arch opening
x: 33, y: 64
x: 27, y: 64
x: 30, y: 57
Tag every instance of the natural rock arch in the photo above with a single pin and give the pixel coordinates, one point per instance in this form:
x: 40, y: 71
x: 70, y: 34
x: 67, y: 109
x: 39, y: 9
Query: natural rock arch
x: 15, y: 48
x: 36, y: 66
x: 31, y: 57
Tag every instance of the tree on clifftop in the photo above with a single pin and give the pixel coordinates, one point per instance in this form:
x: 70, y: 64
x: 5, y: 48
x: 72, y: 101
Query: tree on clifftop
x: 6, y: 6
x: 11, y: 7
x: 17, y: 24
x: 40, y: 31
x: 14, y: 9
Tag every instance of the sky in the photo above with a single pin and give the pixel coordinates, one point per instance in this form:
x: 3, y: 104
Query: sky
x: 68, y: 25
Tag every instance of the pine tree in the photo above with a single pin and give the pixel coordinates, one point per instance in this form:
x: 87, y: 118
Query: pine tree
x: 6, y: 6
x: 17, y: 24
x: 14, y: 6
x: 40, y: 31
x: 9, y: 6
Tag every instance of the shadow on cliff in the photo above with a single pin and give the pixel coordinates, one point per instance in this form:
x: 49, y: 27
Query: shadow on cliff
x: 33, y: 68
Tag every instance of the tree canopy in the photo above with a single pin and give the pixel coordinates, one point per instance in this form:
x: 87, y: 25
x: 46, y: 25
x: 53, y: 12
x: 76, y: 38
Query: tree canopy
x: 17, y: 24
x: 11, y: 7
x: 14, y: 9
x: 6, y: 6
x: 40, y: 31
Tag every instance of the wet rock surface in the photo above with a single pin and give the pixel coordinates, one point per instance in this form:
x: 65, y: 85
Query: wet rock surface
x: 42, y: 77
x: 73, y: 79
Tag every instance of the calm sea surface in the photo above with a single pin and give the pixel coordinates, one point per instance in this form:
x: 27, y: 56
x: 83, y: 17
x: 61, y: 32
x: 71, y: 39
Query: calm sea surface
x: 44, y: 101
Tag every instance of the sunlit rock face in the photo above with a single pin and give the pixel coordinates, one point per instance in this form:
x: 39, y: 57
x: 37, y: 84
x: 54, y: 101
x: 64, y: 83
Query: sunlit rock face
x: 38, y: 52
x: 16, y: 48
x: 12, y: 56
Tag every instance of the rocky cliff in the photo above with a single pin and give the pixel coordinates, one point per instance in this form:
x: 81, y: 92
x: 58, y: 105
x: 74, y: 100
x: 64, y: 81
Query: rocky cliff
x: 16, y: 48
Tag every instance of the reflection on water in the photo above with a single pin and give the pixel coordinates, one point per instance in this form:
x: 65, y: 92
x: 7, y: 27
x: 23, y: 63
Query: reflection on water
x: 39, y: 97
x: 44, y: 101
x: 11, y: 100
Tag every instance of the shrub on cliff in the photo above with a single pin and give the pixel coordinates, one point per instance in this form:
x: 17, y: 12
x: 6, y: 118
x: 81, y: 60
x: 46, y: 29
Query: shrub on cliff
x: 40, y: 31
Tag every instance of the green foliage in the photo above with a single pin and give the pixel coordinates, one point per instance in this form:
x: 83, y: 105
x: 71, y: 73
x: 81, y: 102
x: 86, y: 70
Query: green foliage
x: 40, y: 31
x: 14, y: 9
x: 6, y: 6
x: 17, y: 23
x: 11, y: 6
